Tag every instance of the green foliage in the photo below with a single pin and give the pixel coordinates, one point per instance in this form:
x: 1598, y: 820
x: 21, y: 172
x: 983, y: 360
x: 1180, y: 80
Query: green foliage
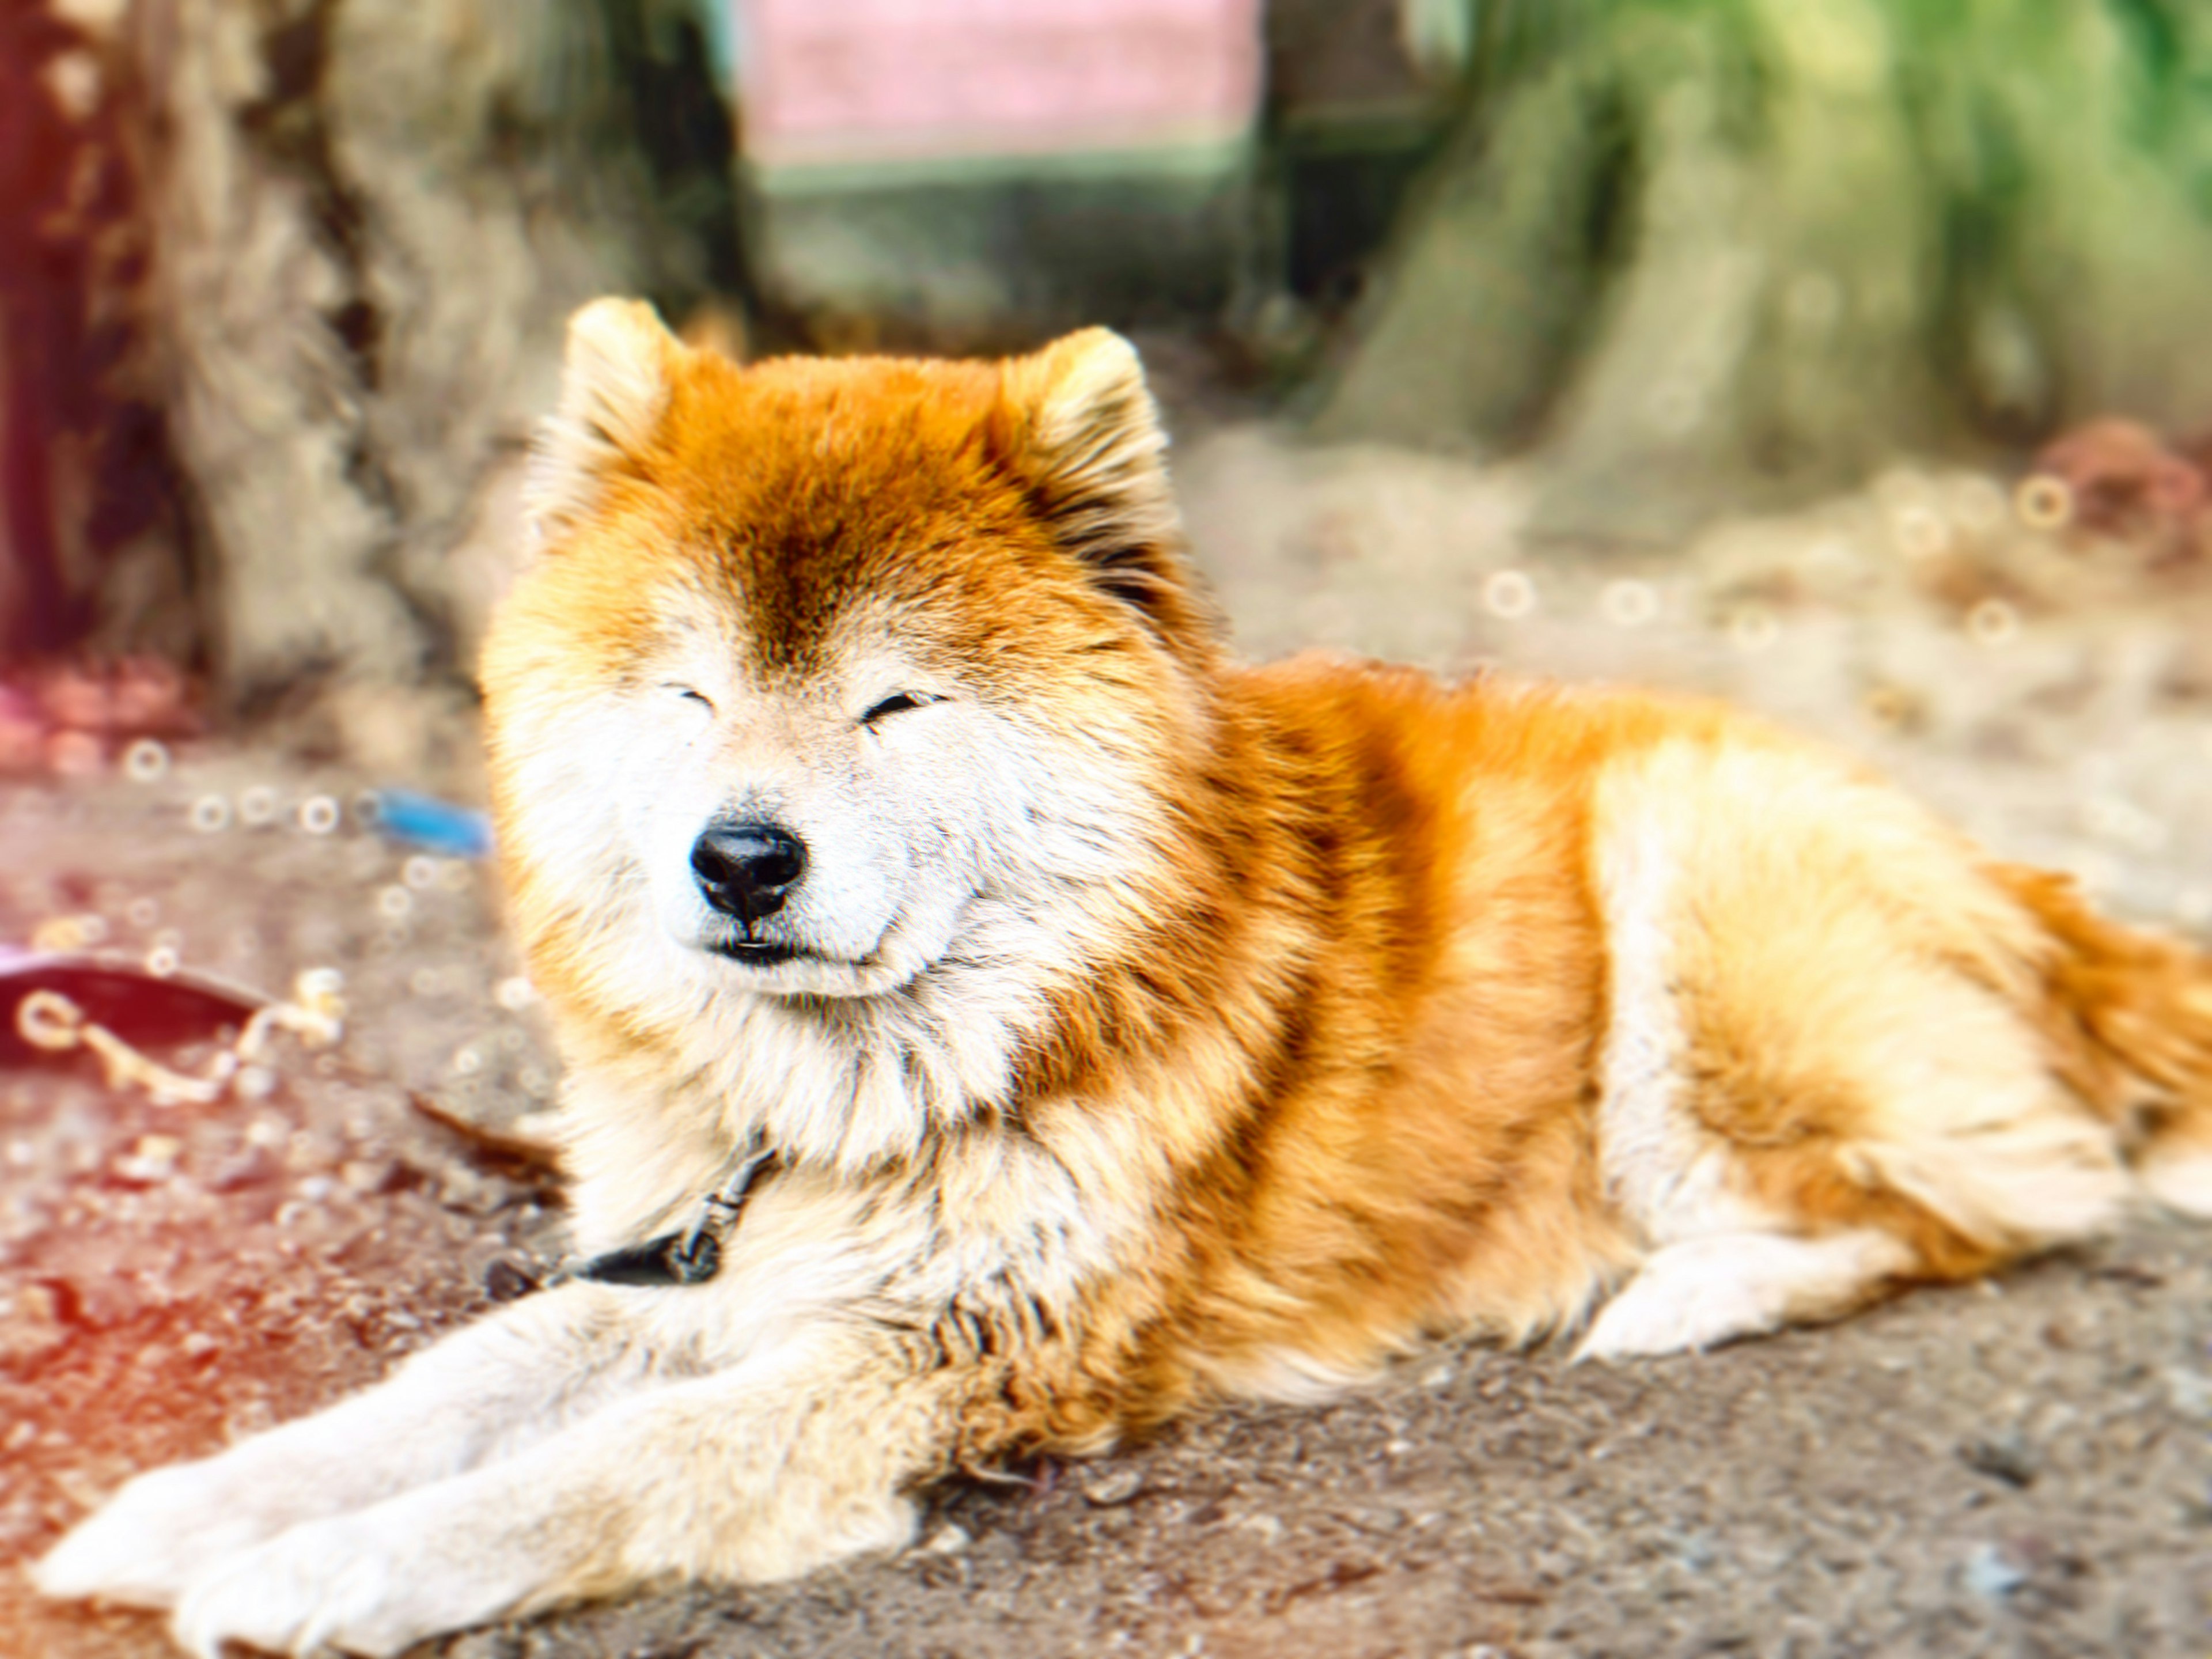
x: 1709, y: 246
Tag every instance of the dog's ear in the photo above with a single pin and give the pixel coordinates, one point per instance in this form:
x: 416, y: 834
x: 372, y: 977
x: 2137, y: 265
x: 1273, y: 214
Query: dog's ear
x: 1076, y: 426
x: 615, y: 380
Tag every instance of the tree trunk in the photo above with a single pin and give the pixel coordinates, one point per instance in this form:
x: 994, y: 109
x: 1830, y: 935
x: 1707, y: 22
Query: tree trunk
x: 94, y: 545
x: 1735, y: 251
x: 367, y: 223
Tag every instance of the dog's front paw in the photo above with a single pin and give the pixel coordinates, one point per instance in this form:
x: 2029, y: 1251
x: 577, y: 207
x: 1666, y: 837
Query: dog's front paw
x: 157, y: 1534
x: 1655, y: 1315
x: 370, y: 1583
x: 317, y: 1587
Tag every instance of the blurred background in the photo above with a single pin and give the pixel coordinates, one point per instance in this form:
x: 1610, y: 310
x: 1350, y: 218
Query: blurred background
x: 281, y: 281
x: 1851, y: 359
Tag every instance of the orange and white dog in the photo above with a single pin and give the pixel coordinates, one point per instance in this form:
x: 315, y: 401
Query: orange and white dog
x: 996, y: 1021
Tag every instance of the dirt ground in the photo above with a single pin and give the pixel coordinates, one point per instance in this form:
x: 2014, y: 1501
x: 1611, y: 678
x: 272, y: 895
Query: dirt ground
x: 2020, y: 1470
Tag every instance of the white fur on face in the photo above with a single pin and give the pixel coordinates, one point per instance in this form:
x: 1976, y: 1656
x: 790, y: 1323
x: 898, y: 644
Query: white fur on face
x: 889, y: 812
x: 885, y: 812
x: 963, y: 858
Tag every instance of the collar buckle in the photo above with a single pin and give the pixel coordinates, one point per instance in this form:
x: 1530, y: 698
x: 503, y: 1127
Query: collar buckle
x: 691, y: 1256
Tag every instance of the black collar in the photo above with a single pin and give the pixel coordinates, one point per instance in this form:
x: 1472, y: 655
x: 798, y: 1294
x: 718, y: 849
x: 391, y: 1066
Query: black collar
x: 691, y: 1255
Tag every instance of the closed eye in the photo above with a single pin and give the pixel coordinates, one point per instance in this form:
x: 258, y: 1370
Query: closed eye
x: 687, y: 693
x: 898, y: 703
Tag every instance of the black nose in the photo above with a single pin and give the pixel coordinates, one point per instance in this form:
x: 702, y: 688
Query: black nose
x: 745, y: 870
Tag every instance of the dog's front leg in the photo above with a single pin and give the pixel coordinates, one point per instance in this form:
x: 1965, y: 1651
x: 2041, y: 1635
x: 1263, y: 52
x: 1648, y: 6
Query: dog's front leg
x: 483, y: 1392
x: 795, y: 1457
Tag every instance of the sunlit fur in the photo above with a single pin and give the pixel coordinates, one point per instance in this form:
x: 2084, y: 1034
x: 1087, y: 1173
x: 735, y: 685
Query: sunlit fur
x: 1156, y: 1029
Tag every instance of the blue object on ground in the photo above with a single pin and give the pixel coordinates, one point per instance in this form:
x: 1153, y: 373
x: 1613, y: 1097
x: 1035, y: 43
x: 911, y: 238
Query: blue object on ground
x: 435, y: 825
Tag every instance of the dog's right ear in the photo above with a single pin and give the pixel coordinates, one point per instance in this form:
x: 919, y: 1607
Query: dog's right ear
x: 615, y: 382
x: 1076, y: 425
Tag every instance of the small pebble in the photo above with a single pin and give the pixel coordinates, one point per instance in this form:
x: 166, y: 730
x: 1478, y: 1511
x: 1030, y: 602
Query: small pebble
x: 367, y: 1175
x: 463, y: 1189
x: 152, y: 1161
x: 249, y: 1168
x: 2190, y: 1391
x: 1991, y: 1575
x: 1112, y: 1487
x: 505, y: 1282
x: 2004, y: 1457
x: 33, y: 1321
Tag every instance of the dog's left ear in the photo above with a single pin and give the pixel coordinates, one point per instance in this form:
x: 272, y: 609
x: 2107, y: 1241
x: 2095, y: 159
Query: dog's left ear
x: 1077, y: 425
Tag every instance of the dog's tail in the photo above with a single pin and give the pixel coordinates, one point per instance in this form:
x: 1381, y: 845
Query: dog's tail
x: 2129, y: 1012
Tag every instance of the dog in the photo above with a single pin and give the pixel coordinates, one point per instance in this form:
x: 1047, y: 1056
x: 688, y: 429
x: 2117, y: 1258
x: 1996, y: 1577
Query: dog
x: 996, y: 1022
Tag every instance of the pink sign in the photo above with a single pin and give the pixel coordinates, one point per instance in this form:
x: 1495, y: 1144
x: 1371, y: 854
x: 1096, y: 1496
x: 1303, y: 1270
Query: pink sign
x: 877, y: 80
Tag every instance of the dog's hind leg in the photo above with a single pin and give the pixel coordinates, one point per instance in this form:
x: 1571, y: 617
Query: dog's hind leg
x: 478, y: 1394
x: 1826, y: 1072
x: 796, y: 1458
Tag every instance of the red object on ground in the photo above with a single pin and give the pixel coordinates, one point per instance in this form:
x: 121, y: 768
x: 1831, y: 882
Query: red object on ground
x: 142, y: 1008
x: 2129, y: 483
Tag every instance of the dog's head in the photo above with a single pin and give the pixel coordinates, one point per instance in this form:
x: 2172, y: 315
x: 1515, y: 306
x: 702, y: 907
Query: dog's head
x: 832, y: 671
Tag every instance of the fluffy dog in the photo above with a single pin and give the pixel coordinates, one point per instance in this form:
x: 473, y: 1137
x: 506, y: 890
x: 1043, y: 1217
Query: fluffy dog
x: 995, y: 1021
